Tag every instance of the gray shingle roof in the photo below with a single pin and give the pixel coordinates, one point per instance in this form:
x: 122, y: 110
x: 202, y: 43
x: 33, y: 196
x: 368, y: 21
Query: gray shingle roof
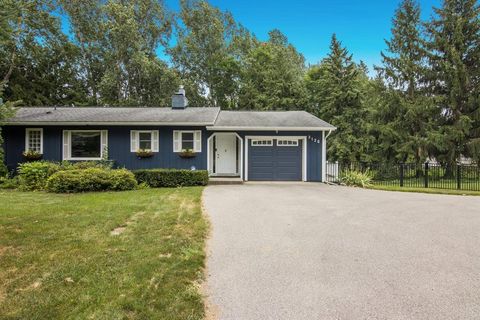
x: 211, y: 117
x: 270, y: 119
x: 115, y: 115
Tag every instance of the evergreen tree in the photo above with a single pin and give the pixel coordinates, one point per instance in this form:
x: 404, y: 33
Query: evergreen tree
x: 337, y: 98
x: 406, y: 116
x: 454, y: 44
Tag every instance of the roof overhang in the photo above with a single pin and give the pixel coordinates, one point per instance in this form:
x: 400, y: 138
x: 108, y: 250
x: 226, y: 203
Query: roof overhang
x: 116, y: 123
x: 222, y: 128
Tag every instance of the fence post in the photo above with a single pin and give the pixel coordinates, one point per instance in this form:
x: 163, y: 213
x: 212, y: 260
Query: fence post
x: 426, y: 174
x: 401, y: 174
x: 459, y: 176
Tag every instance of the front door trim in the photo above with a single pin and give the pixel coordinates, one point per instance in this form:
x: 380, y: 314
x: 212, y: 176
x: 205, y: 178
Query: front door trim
x: 211, y: 152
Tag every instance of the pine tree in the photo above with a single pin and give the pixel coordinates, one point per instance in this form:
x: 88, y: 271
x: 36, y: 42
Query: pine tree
x: 406, y: 116
x: 454, y: 42
x: 338, y: 100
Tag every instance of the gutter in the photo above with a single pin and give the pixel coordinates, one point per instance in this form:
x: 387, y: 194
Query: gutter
x: 106, y: 123
x: 232, y: 128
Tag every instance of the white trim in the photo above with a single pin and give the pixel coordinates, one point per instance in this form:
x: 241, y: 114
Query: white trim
x: 304, y: 155
x: 27, y: 140
x: 197, y: 143
x: 304, y: 151
x: 324, y: 157
x: 107, y: 123
x: 209, y: 152
x: 220, y: 128
x: 289, y: 143
x: 68, y: 143
x: 260, y: 142
x: 135, y: 140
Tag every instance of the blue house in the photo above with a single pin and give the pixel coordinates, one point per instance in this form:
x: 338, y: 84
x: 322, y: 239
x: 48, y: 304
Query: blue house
x: 252, y: 145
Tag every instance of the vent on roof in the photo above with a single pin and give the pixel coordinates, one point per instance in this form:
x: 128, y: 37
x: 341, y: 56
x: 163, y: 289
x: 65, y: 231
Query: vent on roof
x: 179, y: 100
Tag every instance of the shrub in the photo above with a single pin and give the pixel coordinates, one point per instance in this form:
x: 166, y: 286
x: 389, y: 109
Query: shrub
x: 8, y: 183
x: 91, y: 179
x: 102, y: 164
x: 3, y: 169
x: 34, y: 175
x: 171, y: 177
x: 356, y: 178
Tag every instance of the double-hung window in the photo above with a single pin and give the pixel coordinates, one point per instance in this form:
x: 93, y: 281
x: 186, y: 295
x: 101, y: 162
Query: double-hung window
x: 85, y: 144
x: 34, y: 140
x: 144, y: 140
x: 187, y: 140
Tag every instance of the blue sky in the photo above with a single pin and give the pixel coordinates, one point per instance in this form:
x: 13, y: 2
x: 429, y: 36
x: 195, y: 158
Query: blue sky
x: 362, y: 26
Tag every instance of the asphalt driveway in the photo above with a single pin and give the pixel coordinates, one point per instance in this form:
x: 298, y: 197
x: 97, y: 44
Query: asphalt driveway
x: 312, y: 251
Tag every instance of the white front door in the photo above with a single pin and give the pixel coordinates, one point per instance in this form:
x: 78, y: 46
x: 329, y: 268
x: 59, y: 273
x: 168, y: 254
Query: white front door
x: 226, y: 153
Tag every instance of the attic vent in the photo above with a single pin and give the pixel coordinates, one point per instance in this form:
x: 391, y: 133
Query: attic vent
x: 179, y: 100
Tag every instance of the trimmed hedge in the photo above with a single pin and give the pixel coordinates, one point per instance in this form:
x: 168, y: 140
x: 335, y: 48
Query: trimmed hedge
x: 91, y: 179
x: 157, y: 178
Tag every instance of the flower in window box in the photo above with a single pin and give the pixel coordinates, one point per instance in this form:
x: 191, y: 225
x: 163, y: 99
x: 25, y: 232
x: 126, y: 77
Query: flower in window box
x: 144, y: 153
x: 187, y: 153
x: 32, y: 155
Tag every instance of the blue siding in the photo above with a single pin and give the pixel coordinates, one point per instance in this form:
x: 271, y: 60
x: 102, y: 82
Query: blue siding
x: 119, y: 147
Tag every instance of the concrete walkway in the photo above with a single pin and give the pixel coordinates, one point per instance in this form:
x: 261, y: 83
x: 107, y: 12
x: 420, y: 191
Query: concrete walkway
x: 312, y: 251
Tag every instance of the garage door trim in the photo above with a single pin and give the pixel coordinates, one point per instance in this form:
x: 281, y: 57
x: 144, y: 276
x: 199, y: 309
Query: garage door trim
x: 304, y: 151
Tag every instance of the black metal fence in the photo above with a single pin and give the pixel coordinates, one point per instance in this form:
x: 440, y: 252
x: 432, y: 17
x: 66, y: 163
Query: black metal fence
x: 412, y: 175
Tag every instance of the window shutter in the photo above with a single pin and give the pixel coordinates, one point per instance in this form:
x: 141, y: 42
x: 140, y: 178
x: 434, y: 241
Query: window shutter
x: 177, y: 143
x: 104, y: 144
x: 27, y: 139
x: 133, y: 141
x: 155, y: 141
x: 66, y: 144
x: 197, y: 144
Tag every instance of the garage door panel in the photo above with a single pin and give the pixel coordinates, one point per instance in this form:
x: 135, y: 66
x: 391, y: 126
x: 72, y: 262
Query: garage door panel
x: 280, y: 163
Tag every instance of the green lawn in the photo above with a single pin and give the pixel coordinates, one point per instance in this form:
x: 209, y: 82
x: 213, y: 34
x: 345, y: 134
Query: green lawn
x: 59, y: 260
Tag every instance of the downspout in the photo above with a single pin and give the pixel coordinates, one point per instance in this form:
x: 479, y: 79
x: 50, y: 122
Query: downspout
x: 329, y: 132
